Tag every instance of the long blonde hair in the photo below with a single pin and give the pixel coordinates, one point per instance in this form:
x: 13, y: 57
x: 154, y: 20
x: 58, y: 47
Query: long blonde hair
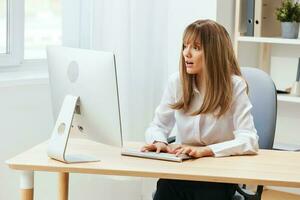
x: 219, y: 65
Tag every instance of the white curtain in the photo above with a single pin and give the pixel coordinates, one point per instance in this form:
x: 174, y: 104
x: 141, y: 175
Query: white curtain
x: 145, y: 36
x: 136, y: 31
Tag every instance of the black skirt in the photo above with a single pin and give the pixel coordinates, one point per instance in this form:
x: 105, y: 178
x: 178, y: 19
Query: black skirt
x: 193, y: 190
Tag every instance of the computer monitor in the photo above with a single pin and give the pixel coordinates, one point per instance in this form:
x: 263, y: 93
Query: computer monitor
x: 85, y: 100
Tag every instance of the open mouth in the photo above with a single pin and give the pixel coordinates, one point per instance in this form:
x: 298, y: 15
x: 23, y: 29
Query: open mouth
x: 188, y: 63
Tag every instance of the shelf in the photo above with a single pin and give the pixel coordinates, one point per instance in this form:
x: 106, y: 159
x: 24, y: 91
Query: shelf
x: 271, y: 40
x: 288, y: 98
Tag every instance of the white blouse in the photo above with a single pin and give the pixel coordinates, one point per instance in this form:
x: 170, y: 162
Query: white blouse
x: 232, y: 134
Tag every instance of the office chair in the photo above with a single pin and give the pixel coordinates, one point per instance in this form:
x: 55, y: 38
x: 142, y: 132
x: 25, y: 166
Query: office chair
x: 263, y: 96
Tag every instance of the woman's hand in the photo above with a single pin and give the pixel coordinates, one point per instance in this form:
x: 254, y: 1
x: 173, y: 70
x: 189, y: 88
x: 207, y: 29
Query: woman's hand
x: 158, y: 147
x: 195, y: 152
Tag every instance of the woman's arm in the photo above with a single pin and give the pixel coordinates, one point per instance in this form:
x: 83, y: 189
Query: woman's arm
x: 245, y: 136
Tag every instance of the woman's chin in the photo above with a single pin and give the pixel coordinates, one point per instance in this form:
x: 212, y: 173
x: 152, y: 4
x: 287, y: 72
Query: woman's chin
x: 190, y: 71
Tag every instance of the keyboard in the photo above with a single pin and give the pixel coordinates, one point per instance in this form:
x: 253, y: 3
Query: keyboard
x: 154, y: 155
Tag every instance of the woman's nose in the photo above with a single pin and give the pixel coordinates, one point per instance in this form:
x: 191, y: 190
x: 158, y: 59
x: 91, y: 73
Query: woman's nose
x: 187, y: 52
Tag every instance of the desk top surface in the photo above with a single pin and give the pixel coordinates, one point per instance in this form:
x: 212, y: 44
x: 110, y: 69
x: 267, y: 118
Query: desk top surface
x: 269, y: 167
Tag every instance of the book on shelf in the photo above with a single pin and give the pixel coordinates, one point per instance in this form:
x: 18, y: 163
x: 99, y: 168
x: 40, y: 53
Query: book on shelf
x: 298, y: 71
x: 257, y: 18
x: 270, y: 26
x: 243, y: 17
x: 250, y: 17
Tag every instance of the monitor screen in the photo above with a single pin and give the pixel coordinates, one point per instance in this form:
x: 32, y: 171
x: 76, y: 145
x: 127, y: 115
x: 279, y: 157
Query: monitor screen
x: 91, y: 76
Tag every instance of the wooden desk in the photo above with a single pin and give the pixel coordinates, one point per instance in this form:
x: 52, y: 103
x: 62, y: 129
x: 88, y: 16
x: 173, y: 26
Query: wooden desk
x: 269, y: 167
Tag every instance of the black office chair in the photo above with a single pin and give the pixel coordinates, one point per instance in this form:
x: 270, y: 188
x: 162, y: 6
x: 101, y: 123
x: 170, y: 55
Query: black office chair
x: 263, y: 96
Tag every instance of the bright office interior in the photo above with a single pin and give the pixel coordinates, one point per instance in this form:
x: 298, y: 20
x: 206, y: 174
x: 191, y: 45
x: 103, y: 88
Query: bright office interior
x: 146, y: 38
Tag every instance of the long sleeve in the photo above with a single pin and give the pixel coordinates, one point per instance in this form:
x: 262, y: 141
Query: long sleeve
x: 245, y: 135
x: 164, y: 119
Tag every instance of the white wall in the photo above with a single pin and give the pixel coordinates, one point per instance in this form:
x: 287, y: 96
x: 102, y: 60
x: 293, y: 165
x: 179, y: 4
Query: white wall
x: 26, y: 120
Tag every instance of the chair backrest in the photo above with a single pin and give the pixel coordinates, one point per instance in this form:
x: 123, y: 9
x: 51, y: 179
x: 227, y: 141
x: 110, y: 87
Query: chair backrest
x: 263, y: 96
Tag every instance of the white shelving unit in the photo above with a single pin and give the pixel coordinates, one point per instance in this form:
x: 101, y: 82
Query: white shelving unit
x: 264, y: 49
x: 287, y: 124
x: 288, y: 98
x: 269, y: 40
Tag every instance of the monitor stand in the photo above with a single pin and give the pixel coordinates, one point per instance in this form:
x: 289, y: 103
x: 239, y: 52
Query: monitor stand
x: 58, y: 143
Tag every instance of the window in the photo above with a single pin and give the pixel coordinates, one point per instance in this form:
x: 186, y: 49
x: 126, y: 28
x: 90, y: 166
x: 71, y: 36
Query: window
x: 11, y: 27
x: 3, y: 26
x: 43, y: 26
x: 26, y: 28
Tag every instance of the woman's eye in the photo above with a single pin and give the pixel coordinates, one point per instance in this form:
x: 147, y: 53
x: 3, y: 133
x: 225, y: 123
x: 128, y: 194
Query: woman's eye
x: 197, y: 48
x: 183, y: 46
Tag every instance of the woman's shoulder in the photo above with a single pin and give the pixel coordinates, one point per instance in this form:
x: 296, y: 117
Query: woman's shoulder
x: 239, y: 84
x: 238, y: 81
x: 174, y: 79
x: 174, y: 82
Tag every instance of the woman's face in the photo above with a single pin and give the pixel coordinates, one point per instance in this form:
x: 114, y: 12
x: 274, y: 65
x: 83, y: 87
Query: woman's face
x: 193, y: 55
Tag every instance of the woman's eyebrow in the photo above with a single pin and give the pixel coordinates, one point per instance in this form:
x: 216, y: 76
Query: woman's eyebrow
x: 191, y: 42
x: 197, y: 43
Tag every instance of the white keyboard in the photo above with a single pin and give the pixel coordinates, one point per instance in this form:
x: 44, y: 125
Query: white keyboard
x: 154, y: 155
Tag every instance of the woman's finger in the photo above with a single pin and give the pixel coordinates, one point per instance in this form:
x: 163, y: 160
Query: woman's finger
x: 177, y: 147
x: 158, y: 148
x: 169, y: 149
x: 148, y: 147
x: 187, y: 150
x: 193, y: 153
x: 179, y: 151
x: 143, y: 149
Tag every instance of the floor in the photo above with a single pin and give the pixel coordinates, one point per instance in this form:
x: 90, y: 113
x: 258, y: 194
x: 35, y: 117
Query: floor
x: 277, y: 195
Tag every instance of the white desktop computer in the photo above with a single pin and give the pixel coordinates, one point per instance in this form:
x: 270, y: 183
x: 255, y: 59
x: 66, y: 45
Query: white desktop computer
x: 85, y: 100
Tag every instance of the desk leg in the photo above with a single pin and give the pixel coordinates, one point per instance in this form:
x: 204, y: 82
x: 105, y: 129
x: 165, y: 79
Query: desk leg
x: 63, y: 186
x: 26, y: 185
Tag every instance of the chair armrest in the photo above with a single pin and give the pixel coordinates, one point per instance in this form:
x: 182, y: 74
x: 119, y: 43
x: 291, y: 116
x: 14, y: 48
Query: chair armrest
x: 171, y: 139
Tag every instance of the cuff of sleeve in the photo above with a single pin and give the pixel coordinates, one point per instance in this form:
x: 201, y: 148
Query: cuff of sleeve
x: 156, y: 136
x: 233, y: 147
x: 228, y: 148
x: 217, y: 149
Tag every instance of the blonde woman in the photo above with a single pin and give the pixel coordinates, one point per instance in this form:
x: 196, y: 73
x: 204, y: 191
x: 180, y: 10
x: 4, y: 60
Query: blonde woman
x: 208, y: 103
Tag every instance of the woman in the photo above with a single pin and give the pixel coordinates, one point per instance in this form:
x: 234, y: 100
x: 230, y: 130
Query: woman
x: 208, y: 103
